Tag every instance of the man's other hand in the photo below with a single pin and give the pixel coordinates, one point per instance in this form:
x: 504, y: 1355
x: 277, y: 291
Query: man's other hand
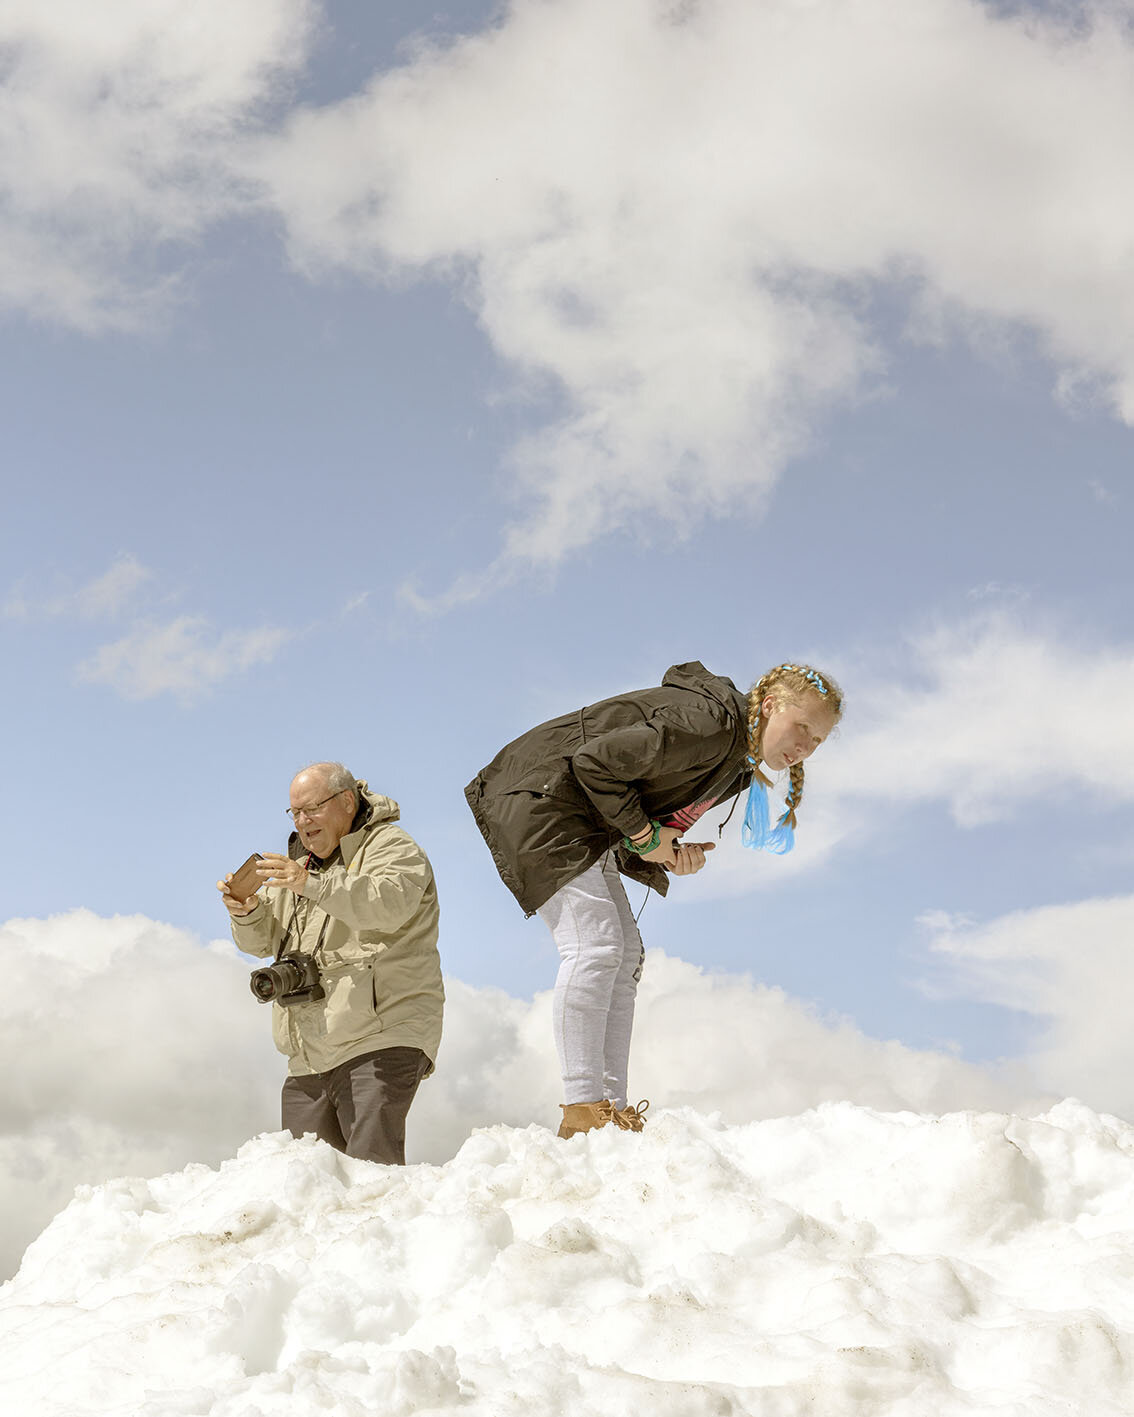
x: 277, y: 870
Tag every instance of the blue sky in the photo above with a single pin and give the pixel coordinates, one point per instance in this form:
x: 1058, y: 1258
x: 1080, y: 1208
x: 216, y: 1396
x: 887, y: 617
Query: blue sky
x: 376, y: 402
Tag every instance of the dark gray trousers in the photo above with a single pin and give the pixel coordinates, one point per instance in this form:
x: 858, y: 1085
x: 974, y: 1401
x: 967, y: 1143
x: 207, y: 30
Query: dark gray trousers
x: 359, y: 1107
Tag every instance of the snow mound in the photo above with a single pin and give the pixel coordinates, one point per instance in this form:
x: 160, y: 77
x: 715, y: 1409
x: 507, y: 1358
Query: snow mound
x: 843, y: 1262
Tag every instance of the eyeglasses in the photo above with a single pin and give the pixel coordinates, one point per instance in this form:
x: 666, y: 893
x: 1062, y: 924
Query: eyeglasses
x: 316, y: 807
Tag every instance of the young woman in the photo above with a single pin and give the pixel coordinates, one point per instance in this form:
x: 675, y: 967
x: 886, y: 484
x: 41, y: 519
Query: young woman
x: 610, y: 789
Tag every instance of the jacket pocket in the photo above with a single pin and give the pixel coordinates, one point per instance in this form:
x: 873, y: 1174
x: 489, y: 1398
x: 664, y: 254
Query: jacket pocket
x: 553, y: 780
x: 349, y: 1009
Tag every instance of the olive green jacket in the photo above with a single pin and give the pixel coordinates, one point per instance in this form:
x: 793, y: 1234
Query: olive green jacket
x: 369, y: 916
x: 559, y: 797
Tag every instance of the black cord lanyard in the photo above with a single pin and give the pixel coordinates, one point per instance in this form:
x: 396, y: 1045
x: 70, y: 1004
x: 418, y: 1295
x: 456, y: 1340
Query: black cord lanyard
x: 294, y: 917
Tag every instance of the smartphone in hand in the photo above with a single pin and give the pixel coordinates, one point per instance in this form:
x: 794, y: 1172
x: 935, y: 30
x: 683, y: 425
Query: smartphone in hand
x: 245, y: 882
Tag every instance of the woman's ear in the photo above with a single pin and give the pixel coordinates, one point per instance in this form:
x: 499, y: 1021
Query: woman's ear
x: 766, y: 707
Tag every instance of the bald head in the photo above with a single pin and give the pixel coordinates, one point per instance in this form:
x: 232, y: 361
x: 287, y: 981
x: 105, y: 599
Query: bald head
x: 324, y: 799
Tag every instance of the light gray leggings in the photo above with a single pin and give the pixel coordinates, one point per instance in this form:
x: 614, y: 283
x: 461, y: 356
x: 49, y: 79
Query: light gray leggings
x: 601, y: 955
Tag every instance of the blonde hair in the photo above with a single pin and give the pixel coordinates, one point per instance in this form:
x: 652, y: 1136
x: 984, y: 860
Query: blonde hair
x: 788, y: 684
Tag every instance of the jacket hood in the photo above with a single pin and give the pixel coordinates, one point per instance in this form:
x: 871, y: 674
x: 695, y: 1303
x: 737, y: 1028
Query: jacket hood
x: 695, y: 676
x: 382, y: 809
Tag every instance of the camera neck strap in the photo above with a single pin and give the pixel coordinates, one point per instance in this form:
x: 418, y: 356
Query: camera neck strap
x: 291, y: 927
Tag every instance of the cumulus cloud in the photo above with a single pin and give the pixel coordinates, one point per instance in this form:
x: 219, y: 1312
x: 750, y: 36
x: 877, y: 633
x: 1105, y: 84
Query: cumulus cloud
x: 138, y: 1050
x: 981, y: 717
x: 1070, y: 966
x: 184, y: 657
x: 128, y: 1048
x: 119, y: 124
x: 674, y: 217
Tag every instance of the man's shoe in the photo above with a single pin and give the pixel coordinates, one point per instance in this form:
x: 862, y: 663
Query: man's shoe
x: 585, y: 1117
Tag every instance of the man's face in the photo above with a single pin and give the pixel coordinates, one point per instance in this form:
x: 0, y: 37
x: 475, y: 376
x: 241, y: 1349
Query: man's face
x: 322, y: 818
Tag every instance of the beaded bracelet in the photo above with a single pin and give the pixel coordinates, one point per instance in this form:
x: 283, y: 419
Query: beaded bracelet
x: 642, y: 847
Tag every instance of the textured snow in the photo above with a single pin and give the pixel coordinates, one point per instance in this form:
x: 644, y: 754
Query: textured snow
x: 844, y: 1262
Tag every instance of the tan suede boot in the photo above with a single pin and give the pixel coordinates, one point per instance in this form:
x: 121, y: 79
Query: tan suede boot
x: 584, y: 1117
x: 631, y: 1118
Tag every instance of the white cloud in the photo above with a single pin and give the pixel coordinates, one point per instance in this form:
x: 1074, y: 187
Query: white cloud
x: 674, y: 216
x: 682, y: 248
x: 139, y: 1050
x: 1100, y: 492
x: 119, y: 124
x: 107, y: 595
x: 134, y: 1051
x: 987, y: 715
x: 982, y: 717
x: 1071, y: 966
x: 184, y: 658
x: 721, y: 1042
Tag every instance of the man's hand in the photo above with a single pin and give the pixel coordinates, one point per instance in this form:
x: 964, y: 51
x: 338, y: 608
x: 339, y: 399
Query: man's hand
x: 233, y: 904
x: 277, y: 870
x: 690, y: 857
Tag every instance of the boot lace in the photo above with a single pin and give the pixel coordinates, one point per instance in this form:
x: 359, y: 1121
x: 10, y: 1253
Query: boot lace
x: 632, y: 1118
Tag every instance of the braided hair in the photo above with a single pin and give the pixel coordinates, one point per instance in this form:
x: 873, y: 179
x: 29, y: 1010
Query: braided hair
x: 787, y: 683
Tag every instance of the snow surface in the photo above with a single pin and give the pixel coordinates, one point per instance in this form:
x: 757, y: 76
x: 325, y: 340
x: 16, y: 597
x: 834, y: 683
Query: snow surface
x: 842, y: 1263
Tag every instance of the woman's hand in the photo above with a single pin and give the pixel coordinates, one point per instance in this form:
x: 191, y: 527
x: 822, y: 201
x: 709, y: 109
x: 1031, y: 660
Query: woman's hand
x: 663, y: 853
x: 690, y: 857
x: 683, y: 858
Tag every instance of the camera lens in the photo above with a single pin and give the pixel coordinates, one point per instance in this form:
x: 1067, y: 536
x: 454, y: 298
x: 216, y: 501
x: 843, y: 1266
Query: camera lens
x: 263, y: 985
x: 280, y: 978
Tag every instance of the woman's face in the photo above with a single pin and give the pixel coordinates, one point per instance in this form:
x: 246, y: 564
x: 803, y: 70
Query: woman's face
x: 792, y: 732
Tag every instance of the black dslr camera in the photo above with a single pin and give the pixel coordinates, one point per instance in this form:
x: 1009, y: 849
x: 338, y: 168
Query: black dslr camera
x: 291, y: 979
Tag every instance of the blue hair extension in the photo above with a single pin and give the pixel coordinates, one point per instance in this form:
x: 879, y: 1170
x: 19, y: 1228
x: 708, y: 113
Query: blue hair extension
x: 813, y: 677
x: 757, y: 833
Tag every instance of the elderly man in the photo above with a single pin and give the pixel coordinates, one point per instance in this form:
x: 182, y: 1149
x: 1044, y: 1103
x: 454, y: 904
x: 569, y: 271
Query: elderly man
x: 354, y: 898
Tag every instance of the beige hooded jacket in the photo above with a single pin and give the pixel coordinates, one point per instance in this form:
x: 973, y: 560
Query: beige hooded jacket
x: 369, y: 916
